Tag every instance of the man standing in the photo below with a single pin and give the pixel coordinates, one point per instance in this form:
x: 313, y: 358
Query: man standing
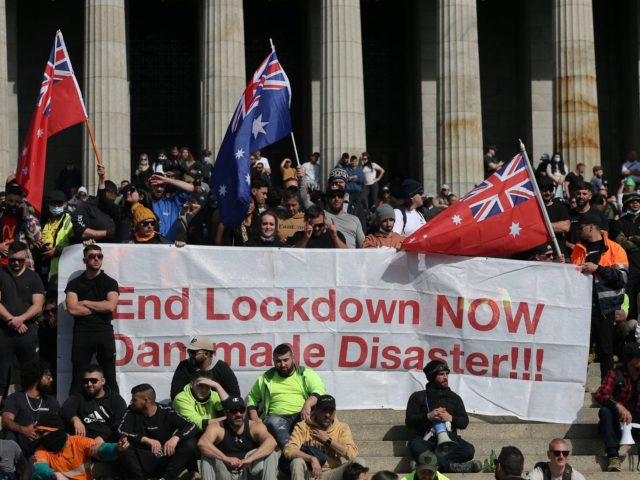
x: 408, y: 216
x: 583, y: 195
x: 163, y: 443
x: 619, y: 397
x: 319, y: 443
x: 607, y: 262
x: 557, y: 210
x: 237, y: 446
x: 22, y: 410
x: 57, y: 233
x: 260, y: 191
x: 435, y: 405
x: 17, y: 222
x: 510, y: 464
x: 202, y: 359
x: 574, y: 179
x: 311, y: 170
x: 627, y: 234
x: 490, y: 162
x: 287, y: 392
x: 91, y: 298
x: 167, y: 207
x: 21, y: 301
x: 97, y: 411
x: 558, y: 464
x: 349, y: 225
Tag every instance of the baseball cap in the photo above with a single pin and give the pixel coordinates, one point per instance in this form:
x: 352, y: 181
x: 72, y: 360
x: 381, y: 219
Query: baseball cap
x: 50, y: 423
x: 233, y: 402
x: 201, y: 343
x: 427, y: 461
x: 590, y: 218
x: 326, y: 402
x: 444, y: 186
x: 82, y: 190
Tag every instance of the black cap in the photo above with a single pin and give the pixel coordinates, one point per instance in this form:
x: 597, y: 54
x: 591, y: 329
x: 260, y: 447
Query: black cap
x: 434, y: 367
x: 591, y: 218
x: 50, y: 422
x: 336, y: 187
x: 233, y: 402
x: 631, y: 351
x: 409, y: 187
x: 326, y: 402
x: 57, y: 196
x: 629, y: 197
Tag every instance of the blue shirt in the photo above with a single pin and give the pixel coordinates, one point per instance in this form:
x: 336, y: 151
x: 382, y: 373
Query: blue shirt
x: 355, y: 185
x: 167, y: 209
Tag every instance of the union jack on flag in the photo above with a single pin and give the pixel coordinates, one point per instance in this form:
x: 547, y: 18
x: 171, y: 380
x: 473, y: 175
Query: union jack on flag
x: 269, y: 76
x: 59, y: 105
x: 502, y: 191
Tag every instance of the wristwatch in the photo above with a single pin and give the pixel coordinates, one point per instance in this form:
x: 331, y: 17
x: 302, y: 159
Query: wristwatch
x: 327, y: 443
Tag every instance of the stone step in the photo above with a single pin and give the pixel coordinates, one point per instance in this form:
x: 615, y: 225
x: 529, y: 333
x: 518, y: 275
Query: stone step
x: 396, y: 417
x: 585, y: 464
x: 482, y: 431
x: 528, y: 446
x: 624, y: 475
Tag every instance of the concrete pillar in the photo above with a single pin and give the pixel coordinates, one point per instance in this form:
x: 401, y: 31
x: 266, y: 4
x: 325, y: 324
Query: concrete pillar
x: 106, y: 90
x: 315, y: 60
x: 222, y: 72
x: 8, y: 159
x: 342, y: 97
x: 460, y: 148
x: 541, y: 78
x: 428, y: 40
x: 12, y: 83
x: 577, y: 130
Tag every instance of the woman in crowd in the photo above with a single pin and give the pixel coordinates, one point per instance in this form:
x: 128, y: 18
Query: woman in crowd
x: 268, y: 233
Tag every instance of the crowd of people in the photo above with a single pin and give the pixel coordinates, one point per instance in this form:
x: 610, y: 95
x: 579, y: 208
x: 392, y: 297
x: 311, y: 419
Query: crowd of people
x: 286, y: 422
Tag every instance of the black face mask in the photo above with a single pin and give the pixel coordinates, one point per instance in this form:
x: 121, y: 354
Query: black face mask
x: 54, y: 441
x: 11, y: 209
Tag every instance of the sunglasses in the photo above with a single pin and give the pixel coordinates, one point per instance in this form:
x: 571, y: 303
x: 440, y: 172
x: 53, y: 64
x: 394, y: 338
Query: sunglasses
x: 93, y: 256
x: 318, y: 226
x: 547, y: 189
x: 564, y: 453
x: 17, y: 260
x: 336, y: 194
x: 92, y: 381
x: 233, y: 411
x: 148, y: 223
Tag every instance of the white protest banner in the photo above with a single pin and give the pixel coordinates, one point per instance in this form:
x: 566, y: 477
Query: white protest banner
x: 515, y: 334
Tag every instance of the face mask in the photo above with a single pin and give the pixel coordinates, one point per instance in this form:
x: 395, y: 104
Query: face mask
x: 11, y: 209
x: 633, y: 212
x: 556, y: 158
x: 55, y: 441
x: 56, y: 211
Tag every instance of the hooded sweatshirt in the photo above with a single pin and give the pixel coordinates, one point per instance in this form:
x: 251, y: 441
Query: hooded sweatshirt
x: 195, y: 411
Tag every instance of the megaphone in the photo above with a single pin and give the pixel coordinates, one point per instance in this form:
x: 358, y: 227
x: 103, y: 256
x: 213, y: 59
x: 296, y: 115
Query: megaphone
x: 445, y: 444
x: 627, y: 438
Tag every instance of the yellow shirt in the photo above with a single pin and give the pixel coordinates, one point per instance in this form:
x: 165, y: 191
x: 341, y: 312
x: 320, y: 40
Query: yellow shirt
x: 49, y: 230
x: 286, y: 396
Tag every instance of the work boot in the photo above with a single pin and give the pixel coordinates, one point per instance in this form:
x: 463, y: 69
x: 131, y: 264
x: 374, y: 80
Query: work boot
x: 615, y: 464
x: 472, y: 466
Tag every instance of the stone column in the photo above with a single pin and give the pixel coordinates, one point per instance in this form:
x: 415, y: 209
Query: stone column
x: 540, y: 79
x: 577, y: 130
x: 222, y: 72
x: 342, y: 96
x: 460, y: 148
x: 428, y: 41
x: 8, y: 159
x: 106, y: 90
x: 314, y: 22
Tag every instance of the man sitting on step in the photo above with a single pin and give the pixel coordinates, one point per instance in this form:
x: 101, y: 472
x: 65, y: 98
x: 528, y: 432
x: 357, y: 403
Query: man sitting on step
x: 509, y: 464
x: 438, y: 407
x: 620, y: 399
x: 558, y: 464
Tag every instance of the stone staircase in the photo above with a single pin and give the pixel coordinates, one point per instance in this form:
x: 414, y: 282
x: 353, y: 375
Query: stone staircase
x: 383, y: 439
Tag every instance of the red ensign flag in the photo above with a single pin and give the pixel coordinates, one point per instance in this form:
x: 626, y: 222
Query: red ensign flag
x: 59, y: 106
x: 499, y: 217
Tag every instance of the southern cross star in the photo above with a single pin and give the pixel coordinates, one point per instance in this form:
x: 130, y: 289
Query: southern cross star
x: 456, y: 219
x: 258, y: 126
x: 222, y: 191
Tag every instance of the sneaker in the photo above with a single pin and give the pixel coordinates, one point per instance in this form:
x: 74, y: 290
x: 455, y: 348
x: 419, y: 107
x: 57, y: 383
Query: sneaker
x: 615, y: 464
x: 472, y: 466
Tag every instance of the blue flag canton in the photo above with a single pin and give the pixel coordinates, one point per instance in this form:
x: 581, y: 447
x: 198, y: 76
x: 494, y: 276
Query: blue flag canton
x: 261, y: 118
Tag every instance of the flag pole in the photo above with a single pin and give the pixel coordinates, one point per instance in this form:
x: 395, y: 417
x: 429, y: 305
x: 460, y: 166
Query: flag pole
x: 543, y: 207
x: 93, y: 142
x: 293, y: 139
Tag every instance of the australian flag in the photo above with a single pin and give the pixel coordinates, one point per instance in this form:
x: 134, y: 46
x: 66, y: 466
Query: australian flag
x: 261, y: 118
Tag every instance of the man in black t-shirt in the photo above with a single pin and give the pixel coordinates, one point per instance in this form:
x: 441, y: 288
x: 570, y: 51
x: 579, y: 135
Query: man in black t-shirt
x: 583, y: 195
x: 21, y: 301
x: 316, y: 233
x: 558, y: 212
x: 574, y: 179
x: 91, y: 299
x: 23, y: 409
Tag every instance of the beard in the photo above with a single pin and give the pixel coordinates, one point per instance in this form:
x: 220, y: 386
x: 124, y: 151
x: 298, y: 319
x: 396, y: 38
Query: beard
x: 42, y: 388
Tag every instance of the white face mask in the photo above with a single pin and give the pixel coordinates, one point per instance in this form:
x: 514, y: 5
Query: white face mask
x: 556, y: 158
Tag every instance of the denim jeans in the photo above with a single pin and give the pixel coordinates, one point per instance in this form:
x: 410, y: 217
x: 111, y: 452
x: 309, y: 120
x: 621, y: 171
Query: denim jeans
x: 281, y: 426
x: 610, y: 429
